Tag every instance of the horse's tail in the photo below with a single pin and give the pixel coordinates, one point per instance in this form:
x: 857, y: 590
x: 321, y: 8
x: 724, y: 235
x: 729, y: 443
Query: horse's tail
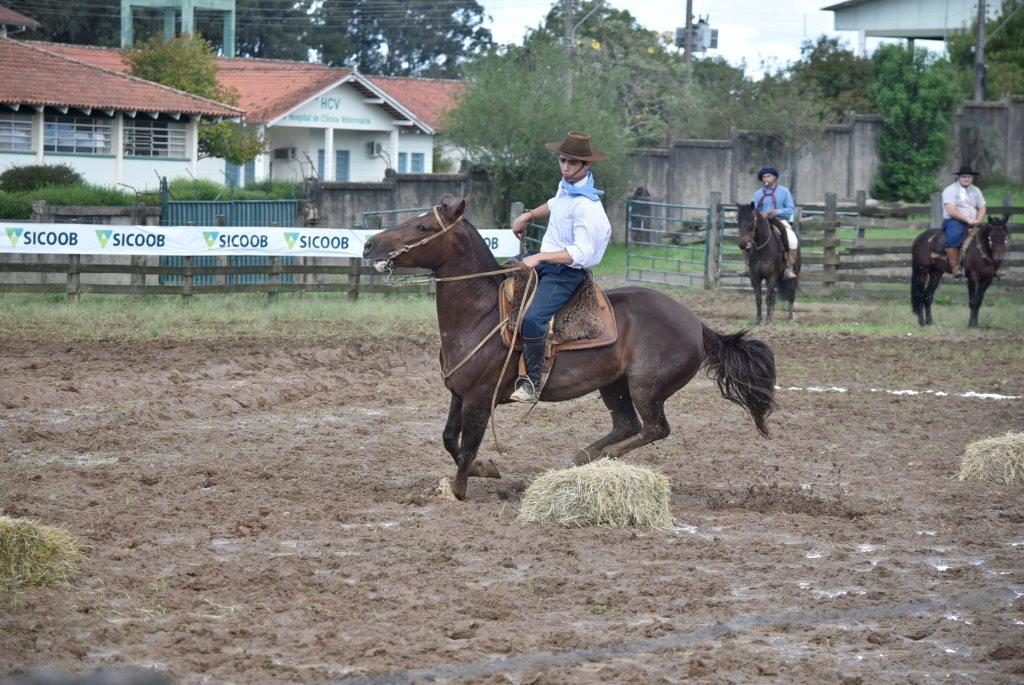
x: 744, y: 370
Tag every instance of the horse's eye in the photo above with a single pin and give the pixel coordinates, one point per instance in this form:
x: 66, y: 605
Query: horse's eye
x: 422, y: 229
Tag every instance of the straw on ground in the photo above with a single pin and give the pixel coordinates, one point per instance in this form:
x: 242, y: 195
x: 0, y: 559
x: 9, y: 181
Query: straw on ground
x: 33, y: 554
x: 605, y: 492
x: 997, y: 460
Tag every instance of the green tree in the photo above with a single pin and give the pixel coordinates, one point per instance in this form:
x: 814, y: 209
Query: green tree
x: 916, y: 94
x: 1004, y: 53
x: 188, y: 63
x: 410, y: 38
x: 517, y: 103
x: 830, y: 72
x: 84, y: 22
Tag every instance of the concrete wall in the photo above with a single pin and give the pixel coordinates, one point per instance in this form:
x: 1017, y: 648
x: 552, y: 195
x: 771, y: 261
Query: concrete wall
x: 990, y: 137
x: 341, y: 205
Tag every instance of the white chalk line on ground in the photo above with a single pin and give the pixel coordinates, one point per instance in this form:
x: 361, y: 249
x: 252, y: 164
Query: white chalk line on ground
x: 477, y: 669
x: 970, y: 394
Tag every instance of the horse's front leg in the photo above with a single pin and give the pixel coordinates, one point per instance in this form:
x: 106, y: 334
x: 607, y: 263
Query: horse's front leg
x: 453, y: 427
x: 474, y: 425
x: 451, y: 436
x: 757, y: 297
x: 771, y: 285
x: 976, y: 289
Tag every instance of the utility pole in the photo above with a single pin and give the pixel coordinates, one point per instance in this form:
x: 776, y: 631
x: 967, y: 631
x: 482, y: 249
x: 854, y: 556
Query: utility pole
x: 688, y: 43
x: 979, y: 55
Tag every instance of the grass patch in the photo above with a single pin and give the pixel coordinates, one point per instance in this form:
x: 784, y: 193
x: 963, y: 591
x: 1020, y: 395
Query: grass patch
x: 312, y: 315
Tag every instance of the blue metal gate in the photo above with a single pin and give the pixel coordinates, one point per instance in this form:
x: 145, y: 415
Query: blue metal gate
x: 228, y: 213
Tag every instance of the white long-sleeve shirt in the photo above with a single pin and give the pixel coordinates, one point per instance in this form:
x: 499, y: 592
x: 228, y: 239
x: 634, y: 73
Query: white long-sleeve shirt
x: 579, y: 226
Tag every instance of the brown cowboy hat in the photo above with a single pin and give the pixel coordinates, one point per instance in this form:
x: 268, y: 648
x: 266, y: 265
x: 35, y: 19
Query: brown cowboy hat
x: 966, y: 170
x: 577, y: 145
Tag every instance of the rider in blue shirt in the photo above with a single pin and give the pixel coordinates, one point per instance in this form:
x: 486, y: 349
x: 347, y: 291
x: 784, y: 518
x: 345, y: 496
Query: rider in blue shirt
x: 775, y: 202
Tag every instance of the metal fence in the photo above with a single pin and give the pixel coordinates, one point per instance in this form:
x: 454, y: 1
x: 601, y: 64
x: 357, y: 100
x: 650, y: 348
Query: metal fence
x: 673, y: 244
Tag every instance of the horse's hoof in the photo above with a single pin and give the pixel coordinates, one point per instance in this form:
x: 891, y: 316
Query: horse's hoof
x: 484, y: 469
x: 582, y: 457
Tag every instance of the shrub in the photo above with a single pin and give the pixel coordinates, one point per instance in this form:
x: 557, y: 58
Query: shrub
x: 20, y: 179
x: 14, y: 206
x: 83, y: 194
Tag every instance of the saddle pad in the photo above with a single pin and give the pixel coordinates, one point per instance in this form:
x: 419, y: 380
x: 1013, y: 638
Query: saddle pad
x: 587, y: 320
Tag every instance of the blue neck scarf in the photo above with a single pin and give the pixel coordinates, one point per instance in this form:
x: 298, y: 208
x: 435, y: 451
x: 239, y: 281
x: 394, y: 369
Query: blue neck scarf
x: 587, y: 190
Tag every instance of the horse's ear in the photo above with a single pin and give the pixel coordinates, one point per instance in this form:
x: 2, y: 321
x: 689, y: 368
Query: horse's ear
x: 453, y: 208
x: 752, y: 205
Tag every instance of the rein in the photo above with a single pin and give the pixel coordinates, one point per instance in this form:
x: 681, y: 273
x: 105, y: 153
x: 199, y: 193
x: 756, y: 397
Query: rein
x: 758, y: 220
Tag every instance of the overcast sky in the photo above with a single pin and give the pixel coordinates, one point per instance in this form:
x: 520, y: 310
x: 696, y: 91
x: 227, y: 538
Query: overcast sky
x: 751, y: 30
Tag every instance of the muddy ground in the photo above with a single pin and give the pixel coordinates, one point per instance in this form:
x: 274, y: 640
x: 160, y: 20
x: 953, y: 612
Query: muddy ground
x: 261, y: 510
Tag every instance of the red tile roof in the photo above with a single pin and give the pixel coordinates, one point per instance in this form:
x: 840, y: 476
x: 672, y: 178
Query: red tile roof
x: 428, y: 99
x: 269, y: 88
x: 34, y: 76
x: 9, y: 17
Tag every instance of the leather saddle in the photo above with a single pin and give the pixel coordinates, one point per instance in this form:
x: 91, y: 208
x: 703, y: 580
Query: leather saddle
x: 587, y: 320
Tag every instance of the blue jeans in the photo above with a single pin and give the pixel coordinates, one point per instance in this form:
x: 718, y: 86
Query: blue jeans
x: 955, y: 231
x: 557, y: 284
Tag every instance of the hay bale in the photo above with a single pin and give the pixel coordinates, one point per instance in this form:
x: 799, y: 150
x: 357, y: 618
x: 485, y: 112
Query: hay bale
x: 34, y: 554
x: 604, y: 492
x: 998, y: 460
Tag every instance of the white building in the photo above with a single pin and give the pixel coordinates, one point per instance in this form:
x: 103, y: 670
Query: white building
x: 110, y: 127
x: 322, y: 122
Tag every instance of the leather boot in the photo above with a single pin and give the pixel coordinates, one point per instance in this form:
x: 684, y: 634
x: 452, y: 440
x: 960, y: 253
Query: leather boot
x: 529, y: 385
x: 746, y: 263
x: 790, y: 261
x: 953, y: 255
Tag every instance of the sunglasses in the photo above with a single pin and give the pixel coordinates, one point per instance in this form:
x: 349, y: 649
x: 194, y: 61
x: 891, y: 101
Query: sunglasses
x: 569, y: 161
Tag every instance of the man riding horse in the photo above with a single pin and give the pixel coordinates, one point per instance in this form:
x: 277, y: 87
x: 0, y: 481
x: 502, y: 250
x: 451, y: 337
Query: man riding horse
x: 775, y: 202
x: 963, y: 210
x: 577, y: 236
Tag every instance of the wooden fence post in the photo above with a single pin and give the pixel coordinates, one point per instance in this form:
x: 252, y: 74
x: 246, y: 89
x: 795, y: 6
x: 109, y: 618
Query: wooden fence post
x: 515, y: 209
x: 186, y: 280
x: 713, y: 253
x: 355, y: 265
x: 936, y: 217
x: 138, y: 280
x: 829, y: 258
x: 74, y: 278
x: 220, y: 221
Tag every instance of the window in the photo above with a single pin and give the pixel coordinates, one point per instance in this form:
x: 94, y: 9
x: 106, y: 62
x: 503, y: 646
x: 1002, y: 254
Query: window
x: 78, y: 135
x: 154, y: 138
x: 250, y: 173
x: 403, y: 162
x: 340, y: 164
x: 231, y: 174
x: 15, y: 132
x: 417, y: 163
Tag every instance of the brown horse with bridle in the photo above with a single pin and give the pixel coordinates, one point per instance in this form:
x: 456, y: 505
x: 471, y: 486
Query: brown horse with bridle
x: 767, y: 260
x: 659, y: 348
x: 981, y: 260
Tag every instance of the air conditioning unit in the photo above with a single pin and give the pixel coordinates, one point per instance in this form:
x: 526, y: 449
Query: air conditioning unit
x: 284, y: 153
x: 373, y: 149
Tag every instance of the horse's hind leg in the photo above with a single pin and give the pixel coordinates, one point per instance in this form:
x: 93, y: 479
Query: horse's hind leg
x: 655, y: 427
x: 934, y: 279
x: 625, y: 421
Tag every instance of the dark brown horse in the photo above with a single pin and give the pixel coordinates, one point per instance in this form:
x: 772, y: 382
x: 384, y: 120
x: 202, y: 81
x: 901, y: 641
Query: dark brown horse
x: 927, y: 264
x: 660, y: 347
x: 767, y: 260
x: 982, y: 260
